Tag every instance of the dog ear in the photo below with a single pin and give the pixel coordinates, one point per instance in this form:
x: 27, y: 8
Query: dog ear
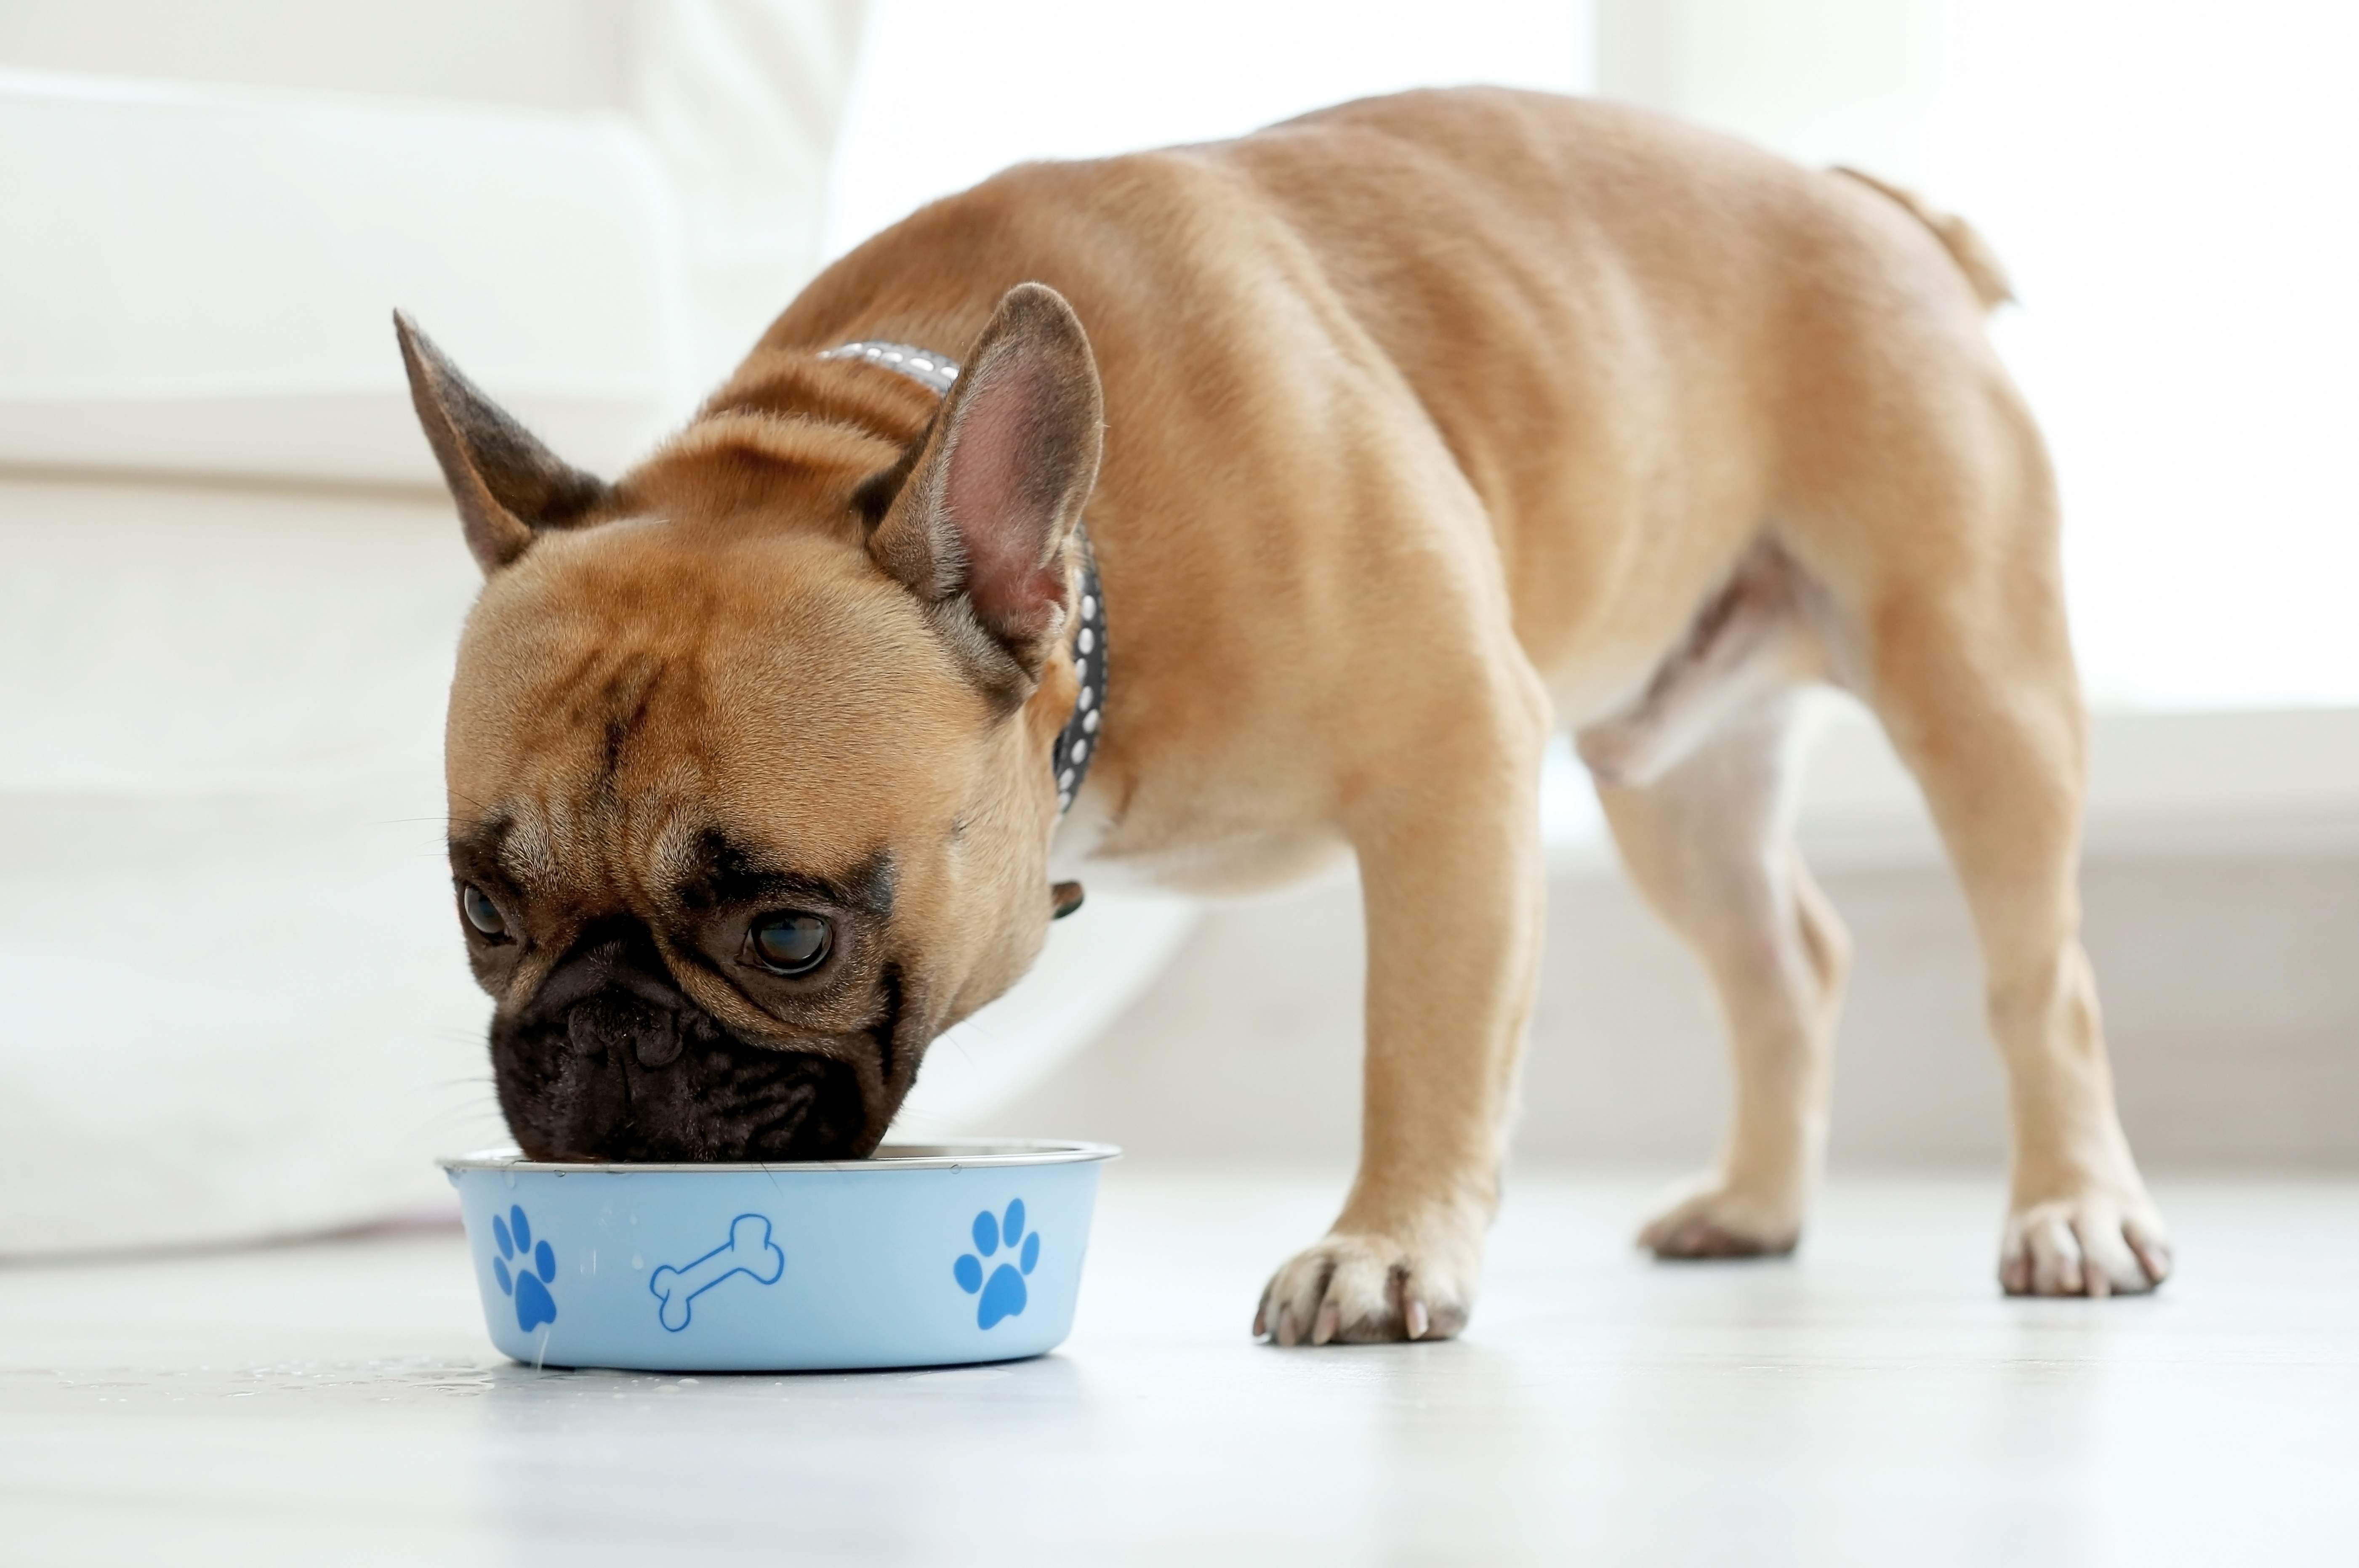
x: 978, y: 527
x: 509, y: 486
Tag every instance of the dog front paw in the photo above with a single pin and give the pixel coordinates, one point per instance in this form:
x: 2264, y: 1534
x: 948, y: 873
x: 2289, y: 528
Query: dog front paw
x: 1710, y: 1217
x: 1363, y: 1287
x: 2094, y: 1244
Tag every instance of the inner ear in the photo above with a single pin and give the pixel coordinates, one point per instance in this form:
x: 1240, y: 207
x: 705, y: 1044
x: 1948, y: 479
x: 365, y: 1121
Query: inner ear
x: 979, y: 527
x: 507, y: 485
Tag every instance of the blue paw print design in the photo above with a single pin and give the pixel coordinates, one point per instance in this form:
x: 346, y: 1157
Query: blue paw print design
x: 1003, y: 1294
x: 536, y: 1266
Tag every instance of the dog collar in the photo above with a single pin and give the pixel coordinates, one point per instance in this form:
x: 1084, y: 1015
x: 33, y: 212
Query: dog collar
x: 1077, y: 742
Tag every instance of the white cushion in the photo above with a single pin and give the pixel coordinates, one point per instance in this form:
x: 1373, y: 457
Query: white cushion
x: 200, y: 279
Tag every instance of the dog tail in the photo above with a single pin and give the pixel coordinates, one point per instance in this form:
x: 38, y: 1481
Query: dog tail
x: 1969, y: 250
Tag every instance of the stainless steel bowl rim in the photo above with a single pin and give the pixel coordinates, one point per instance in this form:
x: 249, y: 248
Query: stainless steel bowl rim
x: 966, y: 1153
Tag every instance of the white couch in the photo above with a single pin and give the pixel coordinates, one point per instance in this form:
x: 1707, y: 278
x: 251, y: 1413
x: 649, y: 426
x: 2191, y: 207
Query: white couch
x: 235, y: 1001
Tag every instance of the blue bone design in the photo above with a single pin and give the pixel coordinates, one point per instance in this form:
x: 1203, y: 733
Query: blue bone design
x: 747, y: 1251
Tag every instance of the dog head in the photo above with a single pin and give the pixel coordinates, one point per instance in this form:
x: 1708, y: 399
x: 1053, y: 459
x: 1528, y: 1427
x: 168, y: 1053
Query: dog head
x: 748, y: 752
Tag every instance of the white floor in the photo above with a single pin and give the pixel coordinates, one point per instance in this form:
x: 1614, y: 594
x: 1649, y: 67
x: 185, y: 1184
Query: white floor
x: 1874, y: 1401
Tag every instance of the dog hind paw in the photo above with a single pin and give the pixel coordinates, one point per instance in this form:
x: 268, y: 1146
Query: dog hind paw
x: 2088, y: 1246
x: 1360, y: 1288
x: 1706, y: 1218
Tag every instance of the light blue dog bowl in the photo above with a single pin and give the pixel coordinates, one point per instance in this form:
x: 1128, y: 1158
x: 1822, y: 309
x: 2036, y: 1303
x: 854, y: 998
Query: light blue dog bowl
x: 919, y: 1257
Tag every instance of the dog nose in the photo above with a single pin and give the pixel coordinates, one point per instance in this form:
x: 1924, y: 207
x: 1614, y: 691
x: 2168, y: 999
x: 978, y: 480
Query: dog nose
x: 617, y: 1021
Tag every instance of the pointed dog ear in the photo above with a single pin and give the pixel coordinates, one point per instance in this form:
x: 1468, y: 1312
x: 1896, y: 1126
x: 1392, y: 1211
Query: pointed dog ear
x: 994, y: 489
x: 509, y: 486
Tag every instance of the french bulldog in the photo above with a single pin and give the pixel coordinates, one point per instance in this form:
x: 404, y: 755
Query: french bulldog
x: 1205, y: 515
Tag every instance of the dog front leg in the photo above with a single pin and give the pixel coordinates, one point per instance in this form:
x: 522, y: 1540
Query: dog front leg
x: 1450, y: 873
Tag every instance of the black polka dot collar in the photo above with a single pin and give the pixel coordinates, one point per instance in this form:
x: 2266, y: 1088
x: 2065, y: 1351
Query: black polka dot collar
x: 1077, y: 742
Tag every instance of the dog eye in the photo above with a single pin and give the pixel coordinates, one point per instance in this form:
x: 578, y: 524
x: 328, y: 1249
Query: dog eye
x: 791, y: 942
x: 481, y: 911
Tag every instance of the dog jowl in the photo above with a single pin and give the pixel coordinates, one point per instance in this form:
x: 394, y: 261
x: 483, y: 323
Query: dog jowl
x: 748, y: 752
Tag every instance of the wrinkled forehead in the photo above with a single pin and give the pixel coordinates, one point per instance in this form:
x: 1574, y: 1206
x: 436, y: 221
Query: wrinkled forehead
x: 627, y: 710
x: 691, y: 869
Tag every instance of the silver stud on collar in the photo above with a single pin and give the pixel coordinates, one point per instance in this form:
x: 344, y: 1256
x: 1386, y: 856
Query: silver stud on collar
x: 930, y: 370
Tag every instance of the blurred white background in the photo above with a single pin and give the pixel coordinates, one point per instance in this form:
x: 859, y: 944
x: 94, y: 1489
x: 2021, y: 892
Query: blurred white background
x: 2165, y: 182
x: 229, y: 586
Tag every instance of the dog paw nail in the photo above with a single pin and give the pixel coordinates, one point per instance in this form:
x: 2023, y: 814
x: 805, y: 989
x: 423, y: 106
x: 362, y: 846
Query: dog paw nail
x: 2152, y: 1258
x: 1287, y: 1332
x: 1261, y: 1320
x: 1330, y: 1319
x: 1416, y: 1319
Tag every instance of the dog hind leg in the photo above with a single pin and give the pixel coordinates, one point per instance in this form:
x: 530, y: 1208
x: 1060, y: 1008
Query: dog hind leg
x: 1709, y: 845
x: 1973, y: 677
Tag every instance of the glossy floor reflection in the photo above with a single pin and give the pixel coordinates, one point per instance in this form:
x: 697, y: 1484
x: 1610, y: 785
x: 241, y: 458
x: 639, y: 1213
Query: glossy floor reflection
x: 1873, y: 1401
